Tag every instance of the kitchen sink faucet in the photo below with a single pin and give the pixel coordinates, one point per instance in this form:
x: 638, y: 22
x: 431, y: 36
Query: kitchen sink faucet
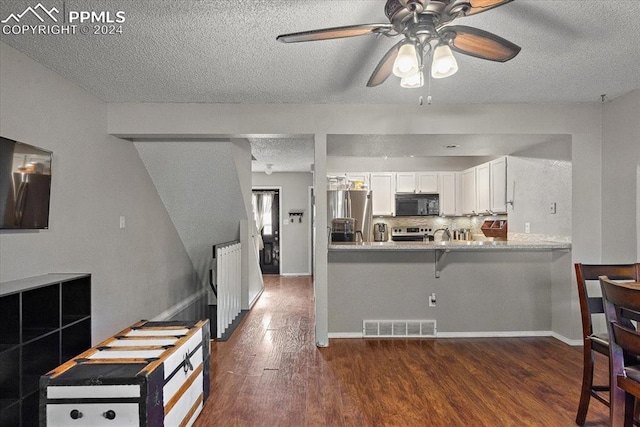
x: 446, y: 236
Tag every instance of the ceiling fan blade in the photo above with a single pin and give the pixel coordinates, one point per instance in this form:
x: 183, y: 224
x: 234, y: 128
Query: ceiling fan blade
x: 478, y: 6
x: 335, y: 33
x: 479, y: 43
x: 385, y: 66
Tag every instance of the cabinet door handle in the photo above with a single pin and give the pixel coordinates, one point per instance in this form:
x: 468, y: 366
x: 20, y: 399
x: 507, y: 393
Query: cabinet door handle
x: 75, y: 414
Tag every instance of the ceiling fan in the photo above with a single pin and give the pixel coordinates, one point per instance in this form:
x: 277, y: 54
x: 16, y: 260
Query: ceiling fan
x: 421, y: 22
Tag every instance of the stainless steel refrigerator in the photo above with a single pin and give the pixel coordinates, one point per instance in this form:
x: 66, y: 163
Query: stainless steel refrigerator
x: 356, y: 204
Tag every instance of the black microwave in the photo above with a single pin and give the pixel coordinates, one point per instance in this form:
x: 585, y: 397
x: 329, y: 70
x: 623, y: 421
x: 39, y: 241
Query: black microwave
x: 417, y: 204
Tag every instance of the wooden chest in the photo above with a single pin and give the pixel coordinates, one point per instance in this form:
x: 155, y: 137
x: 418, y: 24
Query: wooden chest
x: 150, y: 374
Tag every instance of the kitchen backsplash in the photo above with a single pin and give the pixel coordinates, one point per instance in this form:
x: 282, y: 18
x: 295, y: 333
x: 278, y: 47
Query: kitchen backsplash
x: 435, y: 222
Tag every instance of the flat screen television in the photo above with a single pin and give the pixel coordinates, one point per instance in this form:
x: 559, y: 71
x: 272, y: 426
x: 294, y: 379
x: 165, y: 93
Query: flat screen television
x: 25, y: 185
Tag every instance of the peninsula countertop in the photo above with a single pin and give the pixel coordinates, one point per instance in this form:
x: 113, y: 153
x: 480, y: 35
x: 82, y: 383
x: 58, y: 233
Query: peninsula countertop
x: 456, y: 245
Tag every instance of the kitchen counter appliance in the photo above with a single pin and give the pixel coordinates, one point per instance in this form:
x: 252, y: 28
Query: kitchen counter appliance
x: 380, y: 232
x: 411, y: 234
x: 350, y: 204
x: 343, y: 230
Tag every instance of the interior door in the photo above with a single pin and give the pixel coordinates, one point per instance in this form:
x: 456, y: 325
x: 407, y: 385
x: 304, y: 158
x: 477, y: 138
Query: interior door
x: 270, y: 231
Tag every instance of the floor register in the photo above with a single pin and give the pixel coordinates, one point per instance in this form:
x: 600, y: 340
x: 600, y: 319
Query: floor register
x: 150, y: 374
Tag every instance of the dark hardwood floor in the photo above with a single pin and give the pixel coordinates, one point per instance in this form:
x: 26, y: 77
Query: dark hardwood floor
x: 270, y: 373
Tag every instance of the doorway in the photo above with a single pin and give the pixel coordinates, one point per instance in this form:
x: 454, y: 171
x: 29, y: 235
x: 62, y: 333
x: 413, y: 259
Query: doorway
x: 266, y: 211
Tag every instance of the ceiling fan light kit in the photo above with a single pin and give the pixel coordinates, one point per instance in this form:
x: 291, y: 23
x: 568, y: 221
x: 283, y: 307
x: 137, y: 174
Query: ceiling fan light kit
x: 420, y: 23
x: 406, y: 63
x: 444, y: 63
x: 413, y: 82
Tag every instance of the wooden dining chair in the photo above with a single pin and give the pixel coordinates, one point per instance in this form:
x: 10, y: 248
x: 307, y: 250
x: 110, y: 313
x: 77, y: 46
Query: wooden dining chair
x: 622, y: 305
x: 595, y: 343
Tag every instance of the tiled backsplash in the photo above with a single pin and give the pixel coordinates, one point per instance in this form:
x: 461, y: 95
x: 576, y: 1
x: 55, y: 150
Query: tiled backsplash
x: 435, y: 222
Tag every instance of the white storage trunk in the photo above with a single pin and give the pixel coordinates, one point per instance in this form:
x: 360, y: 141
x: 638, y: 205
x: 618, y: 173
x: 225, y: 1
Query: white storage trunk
x: 150, y: 374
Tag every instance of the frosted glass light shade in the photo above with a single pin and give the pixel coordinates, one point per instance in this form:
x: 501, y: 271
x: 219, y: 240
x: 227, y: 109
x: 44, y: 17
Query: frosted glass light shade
x: 406, y: 63
x: 414, y: 81
x: 444, y: 63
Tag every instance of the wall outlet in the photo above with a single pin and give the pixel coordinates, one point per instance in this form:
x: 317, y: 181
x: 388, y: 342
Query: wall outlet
x: 527, y: 227
x: 432, y: 300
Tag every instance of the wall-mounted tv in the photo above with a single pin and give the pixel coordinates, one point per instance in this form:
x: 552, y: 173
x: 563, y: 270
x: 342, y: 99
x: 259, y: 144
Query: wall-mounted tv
x: 25, y: 185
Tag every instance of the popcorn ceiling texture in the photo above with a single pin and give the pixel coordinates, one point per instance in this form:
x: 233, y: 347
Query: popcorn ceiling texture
x: 226, y: 51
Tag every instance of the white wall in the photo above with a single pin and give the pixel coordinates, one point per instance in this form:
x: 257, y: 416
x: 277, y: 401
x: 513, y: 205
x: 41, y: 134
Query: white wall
x: 139, y: 271
x: 620, y: 162
x: 295, y: 239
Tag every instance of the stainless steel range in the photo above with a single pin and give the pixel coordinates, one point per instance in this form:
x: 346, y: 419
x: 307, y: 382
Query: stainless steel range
x: 411, y: 234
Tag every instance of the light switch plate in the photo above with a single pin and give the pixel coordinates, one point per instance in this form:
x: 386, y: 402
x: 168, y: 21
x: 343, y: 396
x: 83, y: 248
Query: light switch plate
x: 527, y: 227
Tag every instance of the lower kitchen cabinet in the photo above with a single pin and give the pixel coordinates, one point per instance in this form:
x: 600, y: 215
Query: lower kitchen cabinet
x: 44, y: 321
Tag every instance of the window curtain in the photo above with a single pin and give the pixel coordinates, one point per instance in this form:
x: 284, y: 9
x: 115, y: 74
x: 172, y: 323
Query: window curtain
x: 261, y: 209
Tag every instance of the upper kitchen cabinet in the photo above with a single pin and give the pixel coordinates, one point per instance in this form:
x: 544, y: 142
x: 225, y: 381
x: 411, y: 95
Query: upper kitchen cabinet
x: 483, y: 188
x: 383, y: 186
x: 447, y: 190
x: 427, y: 182
x: 344, y: 180
x: 359, y: 176
x: 405, y: 182
x: 469, y: 191
x: 499, y: 185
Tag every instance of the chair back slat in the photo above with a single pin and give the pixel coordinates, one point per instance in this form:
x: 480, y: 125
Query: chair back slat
x: 628, y: 339
x: 595, y: 305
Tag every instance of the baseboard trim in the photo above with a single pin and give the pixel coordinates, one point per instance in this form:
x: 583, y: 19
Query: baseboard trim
x: 255, y: 299
x: 573, y: 343
x: 494, y: 334
x: 232, y: 327
x: 345, y: 335
x: 173, y: 311
x: 295, y: 274
x: 488, y: 334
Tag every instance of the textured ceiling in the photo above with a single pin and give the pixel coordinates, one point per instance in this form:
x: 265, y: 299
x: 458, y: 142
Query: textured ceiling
x: 284, y: 154
x: 222, y: 51
x: 225, y: 52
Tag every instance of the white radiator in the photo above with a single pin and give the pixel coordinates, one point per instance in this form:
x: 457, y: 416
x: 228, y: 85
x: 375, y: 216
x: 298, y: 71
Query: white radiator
x: 228, y: 271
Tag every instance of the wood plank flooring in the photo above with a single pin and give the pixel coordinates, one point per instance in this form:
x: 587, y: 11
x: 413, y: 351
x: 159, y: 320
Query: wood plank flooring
x: 270, y: 373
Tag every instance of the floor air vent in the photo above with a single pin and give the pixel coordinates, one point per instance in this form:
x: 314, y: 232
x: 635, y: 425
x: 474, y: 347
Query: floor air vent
x: 399, y: 328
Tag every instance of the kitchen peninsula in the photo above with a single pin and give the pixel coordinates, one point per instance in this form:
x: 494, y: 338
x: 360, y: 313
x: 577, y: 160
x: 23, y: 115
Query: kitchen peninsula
x: 469, y: 288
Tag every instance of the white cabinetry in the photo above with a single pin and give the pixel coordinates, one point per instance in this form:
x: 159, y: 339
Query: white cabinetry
x: 383, y: 186
x: 427, y: 182
x: 483, y: 188
x: 499, y: 185
x: 405, y: 182
x: 469, y: 191
x: 358, y: 176
x: 447, y: 190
